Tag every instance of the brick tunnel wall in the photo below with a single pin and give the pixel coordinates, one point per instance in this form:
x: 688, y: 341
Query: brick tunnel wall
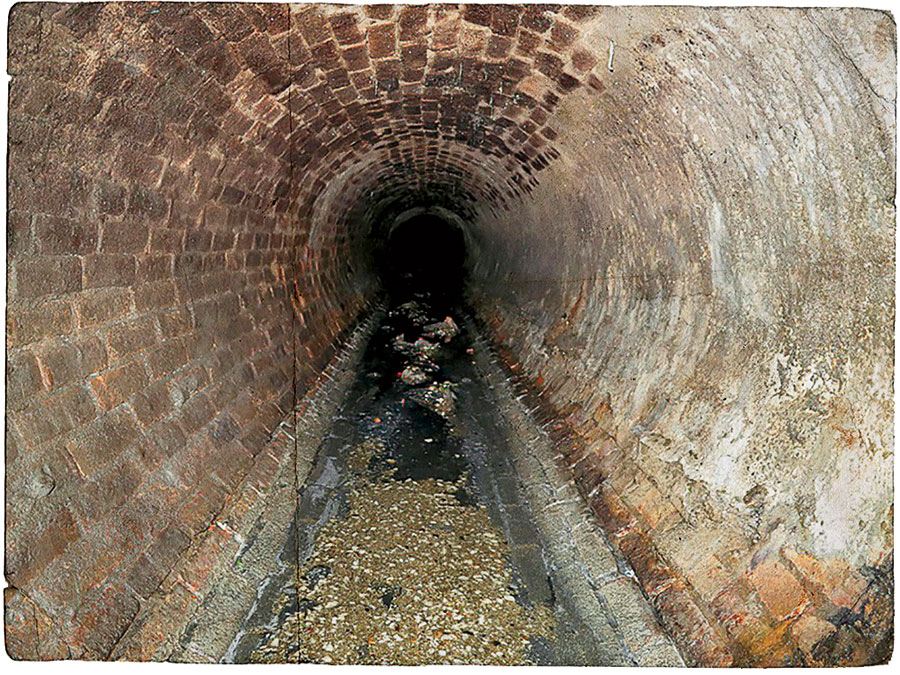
x: 705, y: 320
x: 685, y: 257
x: 157, y: 277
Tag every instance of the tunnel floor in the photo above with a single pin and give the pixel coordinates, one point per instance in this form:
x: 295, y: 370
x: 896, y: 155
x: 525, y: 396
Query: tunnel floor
x: 415, y: 540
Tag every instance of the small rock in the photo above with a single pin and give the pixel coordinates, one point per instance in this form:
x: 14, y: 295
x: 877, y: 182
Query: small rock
x: 316, y: 574
x: 445, y: 330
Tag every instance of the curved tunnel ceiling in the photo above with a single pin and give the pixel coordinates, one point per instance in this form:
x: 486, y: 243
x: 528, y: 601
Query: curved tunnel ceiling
x: 681, y: 223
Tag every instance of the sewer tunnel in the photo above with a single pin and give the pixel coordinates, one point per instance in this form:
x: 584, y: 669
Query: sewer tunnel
x: 651, y: 248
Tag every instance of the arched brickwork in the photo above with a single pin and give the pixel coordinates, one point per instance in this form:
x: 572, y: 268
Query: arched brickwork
x: 682, y: 225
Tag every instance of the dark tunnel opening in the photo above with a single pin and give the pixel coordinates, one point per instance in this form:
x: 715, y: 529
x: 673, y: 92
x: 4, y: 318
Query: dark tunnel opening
x: 424, y: 255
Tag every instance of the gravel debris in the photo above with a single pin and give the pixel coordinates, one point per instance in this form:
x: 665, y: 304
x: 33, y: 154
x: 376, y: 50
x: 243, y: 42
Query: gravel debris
x: 444, y: 330
x: 439, y: 398
x: 413, y: 311
x: 414, y: 576
x: 414, y: 375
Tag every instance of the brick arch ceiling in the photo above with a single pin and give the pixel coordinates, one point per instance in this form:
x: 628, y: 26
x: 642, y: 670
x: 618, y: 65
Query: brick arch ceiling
x: 423, y: 105
x: 685, y: 246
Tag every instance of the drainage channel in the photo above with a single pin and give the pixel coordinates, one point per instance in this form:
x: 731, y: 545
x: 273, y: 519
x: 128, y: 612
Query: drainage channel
x: 413, y: 540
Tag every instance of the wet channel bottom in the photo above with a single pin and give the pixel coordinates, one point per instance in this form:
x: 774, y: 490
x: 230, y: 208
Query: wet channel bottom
x: 412, y: 541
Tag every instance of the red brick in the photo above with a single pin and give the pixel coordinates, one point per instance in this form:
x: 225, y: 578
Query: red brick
x: 100, y: 306
x: 266, y: 64
x: 23, y: 377
x: 201, y: 506
x: 205, y: 558
x: 498, y: 47
x: 778, y: 589
x: 167, y: 358
x: 64, y: 236
x: 562, y: 35
x: 191, y: 34
x: 103, y: 617
x: 478, y: 14
x: 92, y: 356
x: 536, y: 19
x: 808, y: 630
x: 196, y: 413
x: 168, y: 438
x: 156, y: 295
x: 19, y: 234
x: 698, y: 642
x: 582, y: 60
x: 356, y: 58
x: 124, y: 237
x: 505, y: 19
x: 153, y: 268
x: 198, y: 240
x: 27, y: 559
x: 152, y: 404
x: 107, y: 492
x: 103, y: 440
x: 48, y: 275
x: 218, y: 59
x: 832, y: 577
x: 412, y: 22
x: 312, y: 26
x: 379, y: 11
x: 152, y: 567
x: 548, y: 64
x: 132, y: 336
x: 49, y: 319
x: 345, y: 29
x: 653, y: 573
x: 119, y: 384
x: 167, y: 240
x: 233, y: 25
x: 614, y: 515
x: 78, y: 405
x: 47, y: 417
x: 110, y: 198
x: 737, y: 613
x: 174, y: 323
x: 29, y: 631
x: 381, y: 41
x: 272, y: 18
x: 138, y: 166
x: 101, y: 271
x: 60, y: 364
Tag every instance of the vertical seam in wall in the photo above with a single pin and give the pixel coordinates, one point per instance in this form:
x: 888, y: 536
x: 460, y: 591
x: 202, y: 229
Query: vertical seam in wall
x: 288, y: 284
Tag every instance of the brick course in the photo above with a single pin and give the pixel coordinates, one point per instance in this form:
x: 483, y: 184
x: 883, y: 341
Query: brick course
x: 155, y: 266
x: 189, y: 190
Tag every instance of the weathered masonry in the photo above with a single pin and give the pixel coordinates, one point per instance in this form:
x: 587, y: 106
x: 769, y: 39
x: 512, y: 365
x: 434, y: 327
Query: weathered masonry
x: 680, y: 232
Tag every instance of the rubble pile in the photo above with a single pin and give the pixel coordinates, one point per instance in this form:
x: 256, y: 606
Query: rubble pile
x: 420, y: 370
x: 413, y: 311
x: 445, y: 330
x: 408, y: 568
x: 413, y: 375
x: 438, y: 398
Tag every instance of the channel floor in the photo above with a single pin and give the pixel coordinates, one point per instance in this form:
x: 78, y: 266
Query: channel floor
x: 413, y: 542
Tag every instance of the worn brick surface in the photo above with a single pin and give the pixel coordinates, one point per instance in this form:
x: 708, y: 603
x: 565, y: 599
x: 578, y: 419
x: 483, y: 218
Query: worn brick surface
x: 156, y: 269
x: 189, y: 190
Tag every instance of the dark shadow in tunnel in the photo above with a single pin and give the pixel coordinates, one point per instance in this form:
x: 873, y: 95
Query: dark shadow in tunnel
x: 424, y: 254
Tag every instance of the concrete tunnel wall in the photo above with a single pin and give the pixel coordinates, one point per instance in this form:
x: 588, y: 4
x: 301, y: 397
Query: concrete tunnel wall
x: 686, y: 262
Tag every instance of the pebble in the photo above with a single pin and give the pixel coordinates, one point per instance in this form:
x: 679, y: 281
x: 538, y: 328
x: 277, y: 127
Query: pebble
x: 429, y: 583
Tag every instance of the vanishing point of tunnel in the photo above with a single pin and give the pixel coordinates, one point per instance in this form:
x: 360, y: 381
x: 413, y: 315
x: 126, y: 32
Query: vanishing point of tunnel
x: 475, y: 334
